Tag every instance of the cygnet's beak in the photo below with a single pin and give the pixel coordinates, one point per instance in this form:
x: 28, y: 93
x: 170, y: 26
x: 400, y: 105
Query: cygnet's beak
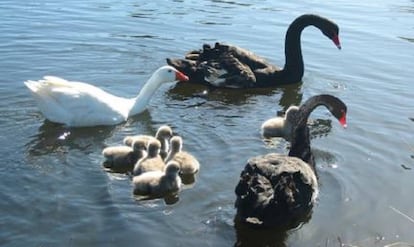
x: 181, y: 76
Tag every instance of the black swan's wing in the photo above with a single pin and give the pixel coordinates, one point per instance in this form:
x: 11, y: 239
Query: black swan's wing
x: 228, y: 71
x: 275, y: 190
x: 223, y: 65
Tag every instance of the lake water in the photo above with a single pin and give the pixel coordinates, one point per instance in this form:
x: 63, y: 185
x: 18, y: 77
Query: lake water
x: 54, y: 191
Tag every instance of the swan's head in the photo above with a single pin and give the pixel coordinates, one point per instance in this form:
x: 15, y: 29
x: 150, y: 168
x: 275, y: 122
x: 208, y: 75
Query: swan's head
x: 164, y: 132
x: 153, y: 148
x: 338, y: 108
x: 176, y: 143
x: 139, y: 145
x: 342, y: 118
x: 331, y: 30
x: 281, y: 126
x: 168, y: 74
x: 291, y: 113
x: 335, y: 106
x: 172, y: 168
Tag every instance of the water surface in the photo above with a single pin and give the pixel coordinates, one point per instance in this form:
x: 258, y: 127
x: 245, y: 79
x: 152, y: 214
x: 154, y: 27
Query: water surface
x: 55, y: 192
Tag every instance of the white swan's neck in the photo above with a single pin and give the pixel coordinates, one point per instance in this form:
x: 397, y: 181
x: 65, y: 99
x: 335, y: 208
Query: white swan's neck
x: 147, y: 91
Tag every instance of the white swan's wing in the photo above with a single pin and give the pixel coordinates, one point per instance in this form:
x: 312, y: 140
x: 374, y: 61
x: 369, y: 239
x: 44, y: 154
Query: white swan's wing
x: 75, y: 103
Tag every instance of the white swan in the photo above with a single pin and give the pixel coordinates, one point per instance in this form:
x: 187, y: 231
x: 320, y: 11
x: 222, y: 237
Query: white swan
x: 80, y: 104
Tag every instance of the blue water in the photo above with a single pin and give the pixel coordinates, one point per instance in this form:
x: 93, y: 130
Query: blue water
x: 55, y: 193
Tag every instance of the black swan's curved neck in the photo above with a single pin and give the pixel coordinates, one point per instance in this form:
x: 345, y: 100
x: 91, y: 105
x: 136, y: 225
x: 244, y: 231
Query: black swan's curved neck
x: 294, y: 68
x: 300, y: 144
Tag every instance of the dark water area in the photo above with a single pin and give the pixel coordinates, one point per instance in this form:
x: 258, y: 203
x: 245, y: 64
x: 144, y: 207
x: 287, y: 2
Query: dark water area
x: 55, y: 192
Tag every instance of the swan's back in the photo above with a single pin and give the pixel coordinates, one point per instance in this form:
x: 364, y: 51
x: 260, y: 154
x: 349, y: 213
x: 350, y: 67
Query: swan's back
x: 77, y: 103
x: 275, y: 189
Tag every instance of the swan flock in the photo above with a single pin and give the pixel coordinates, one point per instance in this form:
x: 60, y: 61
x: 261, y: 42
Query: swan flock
x: 273, y: 188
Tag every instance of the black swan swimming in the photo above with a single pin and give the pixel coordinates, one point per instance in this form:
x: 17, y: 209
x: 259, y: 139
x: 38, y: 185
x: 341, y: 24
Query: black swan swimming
x: 277, y: 189
x: 230, y: 66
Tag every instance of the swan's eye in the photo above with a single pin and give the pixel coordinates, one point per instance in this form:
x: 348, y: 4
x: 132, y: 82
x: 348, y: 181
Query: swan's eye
x: 169, y: 71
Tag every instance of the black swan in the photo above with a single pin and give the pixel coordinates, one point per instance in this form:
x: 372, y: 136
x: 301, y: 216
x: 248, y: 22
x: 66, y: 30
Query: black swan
x: 277, y: 189
x: 230, y: 66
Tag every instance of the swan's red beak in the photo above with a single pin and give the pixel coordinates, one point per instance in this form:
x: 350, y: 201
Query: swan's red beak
x: 342, y: 120
x: 336, y: 41
x: 180, y: 76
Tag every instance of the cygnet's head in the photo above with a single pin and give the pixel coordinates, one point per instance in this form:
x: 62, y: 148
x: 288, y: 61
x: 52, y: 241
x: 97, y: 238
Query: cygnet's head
x: 139, y: 145
x: 291, y: 113
x: 176, y: 143
x: 164, y: 132
x: 172, y: 168
x: 153, y: 148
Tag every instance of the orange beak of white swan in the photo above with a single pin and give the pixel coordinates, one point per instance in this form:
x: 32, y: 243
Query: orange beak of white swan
x: 336, y: 41
x: 180, y: 76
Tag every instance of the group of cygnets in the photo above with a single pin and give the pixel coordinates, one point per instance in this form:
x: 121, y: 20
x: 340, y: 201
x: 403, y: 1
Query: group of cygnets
x: 155, y: 163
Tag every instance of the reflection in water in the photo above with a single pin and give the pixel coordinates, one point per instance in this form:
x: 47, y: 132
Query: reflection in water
x: 408, y: 39
x: 409, y: 10
x: 54, y: 137
x: 320, y: 128
x: 142, y: 15
x: 214, y: 23
x: 248, y: 236
x: 406, y: 9
x: 188, y: 179
x: 290, y: 94
x: 232, y: 3
x: 143, y: 12
x: 169, y: 199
